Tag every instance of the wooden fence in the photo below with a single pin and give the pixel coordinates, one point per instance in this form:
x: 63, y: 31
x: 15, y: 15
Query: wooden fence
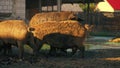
x: 109, y: 22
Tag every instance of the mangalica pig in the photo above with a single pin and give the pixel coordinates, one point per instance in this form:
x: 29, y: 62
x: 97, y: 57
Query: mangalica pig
x: 16, y: 32
x: 52, y: 16
x: 117, y: 40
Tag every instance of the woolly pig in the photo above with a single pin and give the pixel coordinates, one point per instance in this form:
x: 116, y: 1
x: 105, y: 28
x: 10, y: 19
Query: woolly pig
x: 63, y: 34
x: 52, y: 16
x: 16, y: 32
x: 114, y: 40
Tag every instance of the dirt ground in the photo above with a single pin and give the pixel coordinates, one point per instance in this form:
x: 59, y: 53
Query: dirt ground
x: 99, y: 54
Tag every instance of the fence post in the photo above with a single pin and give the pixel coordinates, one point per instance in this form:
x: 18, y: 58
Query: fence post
x: 40, y: 6
x: 59, y: 5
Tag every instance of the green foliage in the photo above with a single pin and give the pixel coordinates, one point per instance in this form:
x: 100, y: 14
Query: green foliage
x: 45, y: 47
x: 84, y: 6
x: 92, y: 6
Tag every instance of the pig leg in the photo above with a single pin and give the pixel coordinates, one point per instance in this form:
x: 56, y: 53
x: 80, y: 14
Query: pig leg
x: 52, y: 51
x: 74, y: 50
x: 82, y: 50
x: 63, y: 50
x: 5, y: 49
x: 21, y: 49
x: 33, y: 45
x: 8, y: 49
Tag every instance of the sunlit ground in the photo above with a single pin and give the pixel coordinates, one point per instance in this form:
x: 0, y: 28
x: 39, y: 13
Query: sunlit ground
x: 110, y: 50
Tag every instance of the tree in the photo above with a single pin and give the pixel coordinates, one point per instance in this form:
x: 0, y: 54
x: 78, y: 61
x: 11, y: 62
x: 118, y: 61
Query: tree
x: 85, y: 7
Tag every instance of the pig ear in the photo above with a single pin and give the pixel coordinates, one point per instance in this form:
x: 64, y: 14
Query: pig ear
x: 88, y: 27
x: 31, y: 29
x: 72, y: 16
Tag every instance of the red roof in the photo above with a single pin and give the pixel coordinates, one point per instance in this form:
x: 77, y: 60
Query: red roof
x: 115, y: 4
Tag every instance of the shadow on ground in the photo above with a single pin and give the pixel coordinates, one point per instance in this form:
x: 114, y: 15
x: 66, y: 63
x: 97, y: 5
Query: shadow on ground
x: 104, y: 56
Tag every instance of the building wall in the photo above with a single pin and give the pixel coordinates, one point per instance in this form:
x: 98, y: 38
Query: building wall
x: 5, y: 6
x: 15, y: 7
x: 20, y: 8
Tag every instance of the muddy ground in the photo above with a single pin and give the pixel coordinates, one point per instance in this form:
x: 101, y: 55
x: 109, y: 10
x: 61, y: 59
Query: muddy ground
x: 99, y: 54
